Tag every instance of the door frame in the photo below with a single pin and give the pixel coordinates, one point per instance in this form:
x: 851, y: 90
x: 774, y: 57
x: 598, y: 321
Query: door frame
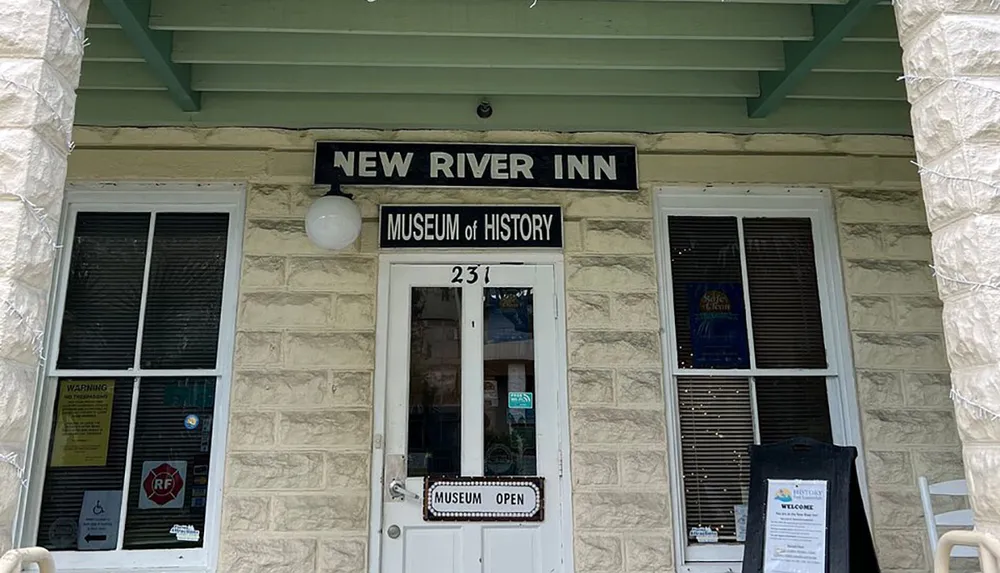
x: 385, y: 261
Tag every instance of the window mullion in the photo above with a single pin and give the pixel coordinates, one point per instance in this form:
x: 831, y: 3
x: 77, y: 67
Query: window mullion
x: 754, y: 414
x: 746, y: 292
x: 145, y: 293
x: 123, y: 510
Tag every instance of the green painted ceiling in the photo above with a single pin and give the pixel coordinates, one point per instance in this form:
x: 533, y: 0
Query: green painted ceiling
x: 565, y: 65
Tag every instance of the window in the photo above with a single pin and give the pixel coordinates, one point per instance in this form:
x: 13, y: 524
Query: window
x: 137, y: 380
x: 753, y: 352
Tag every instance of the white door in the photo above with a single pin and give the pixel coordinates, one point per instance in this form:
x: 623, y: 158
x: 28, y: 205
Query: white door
x: 460, y: 338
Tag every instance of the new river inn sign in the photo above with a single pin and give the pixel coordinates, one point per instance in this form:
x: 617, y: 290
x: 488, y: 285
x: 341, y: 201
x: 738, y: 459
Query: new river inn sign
x: 565, y: 167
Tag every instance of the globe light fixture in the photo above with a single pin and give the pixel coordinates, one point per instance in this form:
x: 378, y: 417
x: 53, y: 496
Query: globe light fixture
x: 333, y: 221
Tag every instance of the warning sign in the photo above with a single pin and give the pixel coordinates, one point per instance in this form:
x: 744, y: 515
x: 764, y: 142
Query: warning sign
x: 83, y: 423
x: 163, y: 485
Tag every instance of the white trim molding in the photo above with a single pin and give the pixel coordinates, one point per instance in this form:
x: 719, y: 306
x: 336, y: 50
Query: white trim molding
x: 741, y: 201
x: 227, y: 198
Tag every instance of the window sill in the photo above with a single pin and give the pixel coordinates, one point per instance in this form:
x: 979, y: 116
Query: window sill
x: 720, y: 567
x: 170, y: 561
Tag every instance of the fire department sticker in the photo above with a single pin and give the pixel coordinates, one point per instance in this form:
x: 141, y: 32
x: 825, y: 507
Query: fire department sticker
x: 162, y: 485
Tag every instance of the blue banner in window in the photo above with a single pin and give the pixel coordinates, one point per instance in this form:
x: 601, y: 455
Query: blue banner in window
x: 718, y: 325
x: 508, y: 315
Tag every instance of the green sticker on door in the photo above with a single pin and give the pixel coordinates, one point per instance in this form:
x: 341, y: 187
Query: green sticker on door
x: 519, y: 400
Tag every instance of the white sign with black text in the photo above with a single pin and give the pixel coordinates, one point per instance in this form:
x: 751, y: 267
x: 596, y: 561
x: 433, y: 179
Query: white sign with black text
x: 100, y: 514
x: 795, y: 526
x: 484, y: 499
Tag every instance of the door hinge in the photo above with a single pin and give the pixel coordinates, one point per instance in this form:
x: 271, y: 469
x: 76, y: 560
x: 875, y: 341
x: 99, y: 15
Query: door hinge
x: 555, y: 302
x: 560, y: 463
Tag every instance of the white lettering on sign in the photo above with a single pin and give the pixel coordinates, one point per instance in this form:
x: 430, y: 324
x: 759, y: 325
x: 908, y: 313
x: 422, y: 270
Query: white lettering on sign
x: 492, y: 166
x: 484, y: 499
x: 423, y: 227
x: 517, y: 227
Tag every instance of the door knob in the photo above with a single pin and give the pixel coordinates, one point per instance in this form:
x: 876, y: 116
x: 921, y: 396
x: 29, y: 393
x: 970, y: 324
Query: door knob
x: 393, y: 531
x: 399, y: 491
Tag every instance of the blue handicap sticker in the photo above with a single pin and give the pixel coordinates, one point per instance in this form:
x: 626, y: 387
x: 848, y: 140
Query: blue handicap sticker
x: 519, y: 400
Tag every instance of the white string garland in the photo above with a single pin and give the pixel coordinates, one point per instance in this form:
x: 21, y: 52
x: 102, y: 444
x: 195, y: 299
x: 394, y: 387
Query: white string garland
x: 64, y: 124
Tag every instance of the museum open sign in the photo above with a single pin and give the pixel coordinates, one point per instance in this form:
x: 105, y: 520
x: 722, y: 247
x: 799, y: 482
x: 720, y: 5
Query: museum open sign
x: 566, y: 167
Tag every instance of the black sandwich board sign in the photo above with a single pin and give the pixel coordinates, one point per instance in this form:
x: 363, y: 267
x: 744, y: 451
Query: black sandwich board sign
x: 490, y: 165
x: 805, y: 513
x: 470, y: 226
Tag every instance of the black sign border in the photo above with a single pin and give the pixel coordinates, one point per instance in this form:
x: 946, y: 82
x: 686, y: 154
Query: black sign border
x: 446, y: 144
x: 538, y: 482
x: 499, y: 248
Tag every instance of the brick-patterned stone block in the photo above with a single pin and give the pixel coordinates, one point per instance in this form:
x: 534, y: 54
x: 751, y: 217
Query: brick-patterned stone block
x: 263, y: 272
x: 911, y: 427
x: 334, y: 428
x: 611, y: 274
x: 314, y: 513
x: 871, y: 313
x: 281, y: 555
x: 595, y: 468
x: 251, y: 429
x: 258, y: 348
x: 351, y: 350
x: 645, y: 553
x: 636, y: 311
x: 868, y: 276
x: 245, y: 513
x: 864, y: 206
x: 639, y: 387
x: 588, y: 310
x: 888, y: 350
x: 281, y: 388
x: 613, y: 348
x: 880, y: 388
x: 919, y: 313
x: 621, y: 510
x: 886, y: 467
x: 274, y: 309
x: 343, y: 555
x: 275, y: 470
x: 911, y: 242
x: 354, y: 312
x: 644, y: 467
x: 618, y: 236
x: 337, y: 274
x: 617, y: 426
x: 928, y: 390
x: 901, y: 548
x: 599, y: 554
x: 588, y: 386
x: 347, y: 471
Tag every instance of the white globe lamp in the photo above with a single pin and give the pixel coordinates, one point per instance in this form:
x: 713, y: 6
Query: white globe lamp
x: 333, y: 221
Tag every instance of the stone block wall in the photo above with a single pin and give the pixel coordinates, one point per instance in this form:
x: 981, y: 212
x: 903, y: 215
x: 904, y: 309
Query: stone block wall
x: 296, y: 496
x: 902, y: 370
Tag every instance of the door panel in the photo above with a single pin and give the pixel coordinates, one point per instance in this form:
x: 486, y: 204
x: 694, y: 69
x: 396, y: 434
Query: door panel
x: 460, y: 340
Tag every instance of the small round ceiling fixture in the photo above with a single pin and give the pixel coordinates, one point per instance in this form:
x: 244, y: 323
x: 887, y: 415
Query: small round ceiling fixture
x: 333, y: 221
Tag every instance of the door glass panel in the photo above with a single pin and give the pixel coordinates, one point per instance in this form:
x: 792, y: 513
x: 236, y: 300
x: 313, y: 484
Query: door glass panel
x: 508, y: 382
x: 435, y: 422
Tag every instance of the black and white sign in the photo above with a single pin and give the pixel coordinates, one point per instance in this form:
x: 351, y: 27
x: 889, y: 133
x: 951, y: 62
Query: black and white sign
x: 100, y: 513
x: 470, y: 226
x: 484, y: 499
x: 577, y: 167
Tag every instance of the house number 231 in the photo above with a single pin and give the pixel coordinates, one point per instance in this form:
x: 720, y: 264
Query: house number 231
x: 470, y: 275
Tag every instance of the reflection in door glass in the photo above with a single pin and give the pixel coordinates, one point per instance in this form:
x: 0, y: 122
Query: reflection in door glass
x: 435, y: 424
x: 508, y: 382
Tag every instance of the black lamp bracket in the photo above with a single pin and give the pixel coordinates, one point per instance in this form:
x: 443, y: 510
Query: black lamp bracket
x: 336, y: 191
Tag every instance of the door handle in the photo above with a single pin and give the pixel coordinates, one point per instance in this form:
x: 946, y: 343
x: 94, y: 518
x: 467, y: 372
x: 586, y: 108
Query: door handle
x: 398, y: 490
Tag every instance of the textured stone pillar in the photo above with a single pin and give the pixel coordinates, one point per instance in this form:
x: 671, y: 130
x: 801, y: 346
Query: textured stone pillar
x: 41, y: 49
x: 951, y: 57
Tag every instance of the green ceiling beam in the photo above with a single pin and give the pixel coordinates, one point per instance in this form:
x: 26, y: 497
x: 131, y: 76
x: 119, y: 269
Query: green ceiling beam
x: 155, y: 47
x: 830, y: 25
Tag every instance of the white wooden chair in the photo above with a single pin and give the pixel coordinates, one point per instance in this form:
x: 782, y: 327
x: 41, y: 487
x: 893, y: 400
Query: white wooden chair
x: 959, y: 518
x: 951, y: 540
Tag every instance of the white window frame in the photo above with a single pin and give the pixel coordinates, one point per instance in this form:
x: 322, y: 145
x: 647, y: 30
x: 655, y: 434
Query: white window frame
x: 139, y: 197
x: 738, y: 201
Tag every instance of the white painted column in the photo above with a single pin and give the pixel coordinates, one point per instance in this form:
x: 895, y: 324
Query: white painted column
x: 951, y: 55
x: 41, y: 49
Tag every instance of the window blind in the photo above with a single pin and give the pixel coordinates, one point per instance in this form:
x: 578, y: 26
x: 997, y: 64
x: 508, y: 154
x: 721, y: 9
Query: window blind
x: 720, y: 416
x: 172, y: 417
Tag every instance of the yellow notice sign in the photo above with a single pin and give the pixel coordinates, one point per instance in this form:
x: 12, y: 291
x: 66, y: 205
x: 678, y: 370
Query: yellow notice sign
x: 83, y: 423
